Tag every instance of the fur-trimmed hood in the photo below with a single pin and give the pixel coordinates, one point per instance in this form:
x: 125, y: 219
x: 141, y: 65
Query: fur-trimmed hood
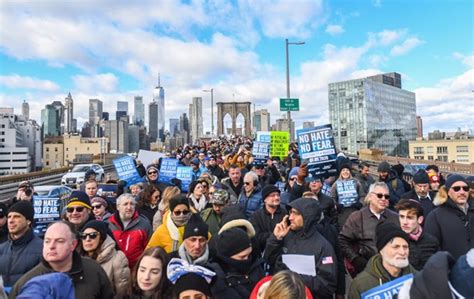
x: 239, y: 223
x: 441, y: 196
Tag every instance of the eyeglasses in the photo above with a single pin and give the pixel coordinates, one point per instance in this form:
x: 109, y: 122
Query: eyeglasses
x: 259, y: 167
x: 179, y: 213
x: 152, y: 172
x: 381, y: 195
x: 92, y: 236
x: 458, y: 188
x: 78, y: 209
x: 96, y: 207
x: 247, y: 183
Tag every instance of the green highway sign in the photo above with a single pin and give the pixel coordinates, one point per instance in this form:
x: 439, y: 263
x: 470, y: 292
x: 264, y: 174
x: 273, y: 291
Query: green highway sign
x: 289, y: 104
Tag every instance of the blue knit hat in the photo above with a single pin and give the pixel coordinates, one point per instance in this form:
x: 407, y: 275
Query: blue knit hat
x: 462, y: 275
x: 293, y: 171
x: 453, y: 179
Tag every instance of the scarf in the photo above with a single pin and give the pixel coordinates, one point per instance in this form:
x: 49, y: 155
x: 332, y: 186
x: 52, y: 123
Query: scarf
x: 199, y: 205
x: 183, y: 254
x: 181, y: 219
x: 416, y: 236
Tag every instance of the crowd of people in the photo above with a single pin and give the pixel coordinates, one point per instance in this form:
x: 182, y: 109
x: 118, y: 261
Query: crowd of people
x: 247, y: 228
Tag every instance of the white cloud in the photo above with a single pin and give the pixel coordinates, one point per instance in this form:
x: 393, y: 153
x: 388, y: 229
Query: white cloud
x: 334, y: 29
x: 377, y: 3
x: 24, y: 82
x: 96, y: 83
x: 467, y: 60
x: 406, y: 46
x: 388, y: 37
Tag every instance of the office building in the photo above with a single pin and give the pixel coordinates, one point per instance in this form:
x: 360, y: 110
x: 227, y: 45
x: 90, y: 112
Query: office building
x: 133, y: 138
x: 308, y: 124
x: 153, y: 121
x: 122, y: 106
x: 117, y: 132
x: 139, y: 111
x: 195, y: 119
x: 25, y: 109
x: 15, y: 157
x: 69, y: 126
x: 184, y: 127
x: 372, y: 112
x: 174, y: 126
x: 261, y: 120
x: 159, y: 99
x: 58, y: 105
x: 50, y: 121
x: 95, y: 115
x: 282, y: 125
x: 419, y: 127
x: 444, y: 150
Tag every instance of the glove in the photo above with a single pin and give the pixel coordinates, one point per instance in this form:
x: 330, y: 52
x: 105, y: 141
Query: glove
x: 356, y: 205
x: 359, y: 263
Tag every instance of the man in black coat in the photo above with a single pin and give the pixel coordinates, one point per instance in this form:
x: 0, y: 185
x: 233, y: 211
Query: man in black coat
x: 420, y: 192
x: 422, y: 245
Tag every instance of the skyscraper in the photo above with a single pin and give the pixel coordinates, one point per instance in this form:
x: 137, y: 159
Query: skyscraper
x: 153, y: 121
x: 372, y: 112
x: 122, y: 109
x: 117, y: 131
x: 159, y: 99
x: 69, y: 114
x: 25, y: 109
x: 184, y: 127
x: 419, y: 127
x: 95, y: 114
x: 195, y: 113
x: 139, y: 108
x: 58, y: 105
x: 174, y: 126
x: 261, y: 120
x: 50, y: 121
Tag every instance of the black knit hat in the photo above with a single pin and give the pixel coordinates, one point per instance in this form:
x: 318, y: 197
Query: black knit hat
x: 421, y: 177
x: 453, y: 179
x: 179, y: 199
x: 269, y: 189
x: 3, y: 210
x: 196, y: 227
x: 192, y: 281
x: 25, y: 208
x: 384, y: 167
x: 99, y: 226
x: 79, y: 198
x: 385, y: 232
x: 232, y: 241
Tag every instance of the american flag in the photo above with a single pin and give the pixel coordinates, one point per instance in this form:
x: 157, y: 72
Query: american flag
x: 327, y: 260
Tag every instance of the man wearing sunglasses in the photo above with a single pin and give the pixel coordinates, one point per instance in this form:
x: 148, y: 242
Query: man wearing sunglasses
x: 79, y: 209
x: 267, y: 174
x: 357, y: 237
x: 452, y: 223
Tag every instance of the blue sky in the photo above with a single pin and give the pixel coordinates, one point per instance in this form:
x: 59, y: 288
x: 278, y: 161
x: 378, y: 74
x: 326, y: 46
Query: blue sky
x: 113, y: 50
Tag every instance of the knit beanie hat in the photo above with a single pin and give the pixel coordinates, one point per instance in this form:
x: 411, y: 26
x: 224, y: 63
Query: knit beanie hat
x: 151, y: 167
x: 24, y: 208
x: 3, y: 210
x: 196, y: 227
x: 192, y: 281
x: 100, y: 200
x: 385, y: 232
x: 453, y: 179
x: 269, y: 189
x: 462, y: 275
x: 195, y: 161
x: 99, y: 226
x: 293, y: 172
x: 384, y: 167
x: 232, y: 241
x: 421, y: 177
x: 79, y: 198
x: 179, y: 199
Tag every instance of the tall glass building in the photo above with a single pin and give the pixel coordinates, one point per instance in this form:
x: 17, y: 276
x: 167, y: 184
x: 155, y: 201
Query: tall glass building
x: 159, y: 99
x: 372, y: 112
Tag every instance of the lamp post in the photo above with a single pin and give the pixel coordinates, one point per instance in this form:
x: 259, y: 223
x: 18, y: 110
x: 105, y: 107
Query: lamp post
x: 288, y: 113
x: 212, y: 108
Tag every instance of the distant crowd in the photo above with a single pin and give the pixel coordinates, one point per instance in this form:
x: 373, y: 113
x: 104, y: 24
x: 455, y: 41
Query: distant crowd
x: 247, y: 228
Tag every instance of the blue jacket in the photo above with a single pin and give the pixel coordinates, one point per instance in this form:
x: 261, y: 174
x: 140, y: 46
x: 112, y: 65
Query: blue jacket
x: 19, y: 256
x: 48, y: 286
x: 251, y: 203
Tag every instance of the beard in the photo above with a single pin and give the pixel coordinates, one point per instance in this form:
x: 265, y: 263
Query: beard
x: 398, y: 263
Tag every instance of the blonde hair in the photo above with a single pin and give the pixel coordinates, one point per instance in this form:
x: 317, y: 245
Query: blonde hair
x: 285, y: 285
x: 168, y: 194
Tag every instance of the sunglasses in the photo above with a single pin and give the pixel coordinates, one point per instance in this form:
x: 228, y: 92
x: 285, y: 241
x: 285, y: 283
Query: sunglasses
x: 92, y: 236
x: 78, y: 209
x: 152, y: 172
x: 96, y: 207
x: 259, y: 167
x: 293, y: 179
x: 179, y: 213
x: 380, y: 195
x: 247, y: 183
x: 458, y: 188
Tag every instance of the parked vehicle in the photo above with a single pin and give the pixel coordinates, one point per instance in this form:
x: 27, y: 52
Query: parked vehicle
x: 53, y: 191
x: 76, y: 176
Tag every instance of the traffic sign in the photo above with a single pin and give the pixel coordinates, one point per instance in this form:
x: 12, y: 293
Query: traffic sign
x: 289, y: 104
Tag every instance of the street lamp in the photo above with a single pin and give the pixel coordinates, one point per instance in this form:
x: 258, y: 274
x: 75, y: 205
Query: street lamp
x: 212, y: 108
x: 288, y: 113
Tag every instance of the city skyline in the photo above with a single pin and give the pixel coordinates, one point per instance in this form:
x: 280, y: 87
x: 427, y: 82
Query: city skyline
x: 62, y: 50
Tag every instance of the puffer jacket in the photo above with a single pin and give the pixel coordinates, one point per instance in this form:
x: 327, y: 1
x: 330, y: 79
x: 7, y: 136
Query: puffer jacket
x: 252, y: 202
x: 131, y: 240
x: 168, y: 236
x: 115, y: 264
x: 422, y: 249
x: 453, y: 228
x: 19, y: 256
x: 373, y: 275
x: 307, y: 241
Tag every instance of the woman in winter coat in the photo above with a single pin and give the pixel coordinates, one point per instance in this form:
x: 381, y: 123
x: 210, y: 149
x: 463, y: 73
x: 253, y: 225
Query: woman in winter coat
x: 196, y: 196
x: 147, y: 206
x: 101, y: 247
x: 164, y: 205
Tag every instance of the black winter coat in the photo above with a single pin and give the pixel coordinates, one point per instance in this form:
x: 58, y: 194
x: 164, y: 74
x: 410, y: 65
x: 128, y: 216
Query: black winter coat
x: 421, y: 250
x: 426, y: 203
x: 264, y: 223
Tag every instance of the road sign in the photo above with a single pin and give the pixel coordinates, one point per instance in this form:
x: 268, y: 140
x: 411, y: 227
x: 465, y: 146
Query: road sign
x: 289, y: 104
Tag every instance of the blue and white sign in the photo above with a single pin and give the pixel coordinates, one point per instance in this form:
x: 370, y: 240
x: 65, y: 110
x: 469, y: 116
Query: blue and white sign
x: 109, y: 191
x: 317, y: 149
x: 387, y: 290
x: 126, y: 170
x: 263, y: 136
x: 47, y: 210
x: 168, y: 169
x: 261, y: 152
x: 185, y: 174
x: 347, y: 192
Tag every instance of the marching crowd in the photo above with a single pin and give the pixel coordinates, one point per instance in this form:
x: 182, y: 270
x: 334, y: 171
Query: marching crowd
x: 247, y: 228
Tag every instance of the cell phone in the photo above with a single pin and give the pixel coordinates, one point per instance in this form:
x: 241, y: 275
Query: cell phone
x: 288, y: 221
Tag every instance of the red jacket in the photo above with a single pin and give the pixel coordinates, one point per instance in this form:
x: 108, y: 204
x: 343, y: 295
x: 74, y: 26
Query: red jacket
x: 133, y: 239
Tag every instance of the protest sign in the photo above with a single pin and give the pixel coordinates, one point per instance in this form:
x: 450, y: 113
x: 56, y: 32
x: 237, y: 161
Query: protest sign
x: 109, y: 191
x: 260, y: 152
x: 47, y: 210
x: 126, y: 170
x: 185, y: 174
x: 317, y: 149
x: 279, y: 144
x: 263, y: 136
x: 168, y: 169
x: 347, y: 192
x: 386, y: 290
x: 147, y: 157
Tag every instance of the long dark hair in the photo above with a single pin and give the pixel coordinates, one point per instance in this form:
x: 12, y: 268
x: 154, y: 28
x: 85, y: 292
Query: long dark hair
x: 95, y: 252
x: 158, y: 253
x: 145, y: 196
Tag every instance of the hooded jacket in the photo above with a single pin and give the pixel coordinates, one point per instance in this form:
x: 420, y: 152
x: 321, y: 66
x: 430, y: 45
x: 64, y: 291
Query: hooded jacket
x: 395, y: 187
x: 308, y: 241
x: 251, y: 203
x: 132, y: 239
x: 453, y: 228
x: 373, y: 275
